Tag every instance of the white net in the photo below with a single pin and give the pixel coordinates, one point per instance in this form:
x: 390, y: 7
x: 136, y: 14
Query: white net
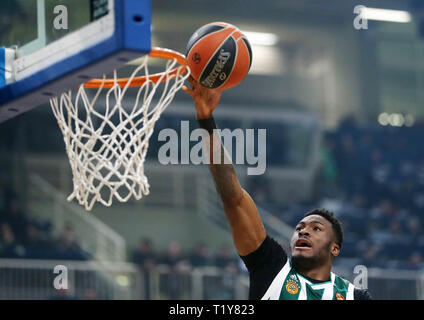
x: 107, y: 134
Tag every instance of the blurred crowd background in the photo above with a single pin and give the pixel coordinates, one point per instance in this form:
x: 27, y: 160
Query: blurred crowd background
x: 371, y: 176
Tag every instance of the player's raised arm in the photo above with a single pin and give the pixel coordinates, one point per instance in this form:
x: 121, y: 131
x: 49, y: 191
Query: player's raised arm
x: 246, y: 226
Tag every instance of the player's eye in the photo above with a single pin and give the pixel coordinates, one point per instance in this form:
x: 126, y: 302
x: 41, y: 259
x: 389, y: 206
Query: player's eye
x: 298, y: 228
x: 317, y: 229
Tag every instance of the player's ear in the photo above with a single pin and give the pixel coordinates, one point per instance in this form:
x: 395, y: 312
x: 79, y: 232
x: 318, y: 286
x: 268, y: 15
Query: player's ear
x: 335, y: 249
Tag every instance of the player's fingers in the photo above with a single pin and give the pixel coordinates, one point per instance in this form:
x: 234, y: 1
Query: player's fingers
x: 187, y: 90
x: 192, y: 81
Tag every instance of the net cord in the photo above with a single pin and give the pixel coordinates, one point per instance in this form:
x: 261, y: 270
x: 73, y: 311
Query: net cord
x: 108, y: 165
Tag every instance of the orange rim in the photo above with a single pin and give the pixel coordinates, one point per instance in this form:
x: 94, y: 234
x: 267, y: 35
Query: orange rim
x: 139, y: 81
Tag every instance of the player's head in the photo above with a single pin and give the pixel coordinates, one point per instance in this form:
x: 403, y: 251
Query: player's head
x: 317, y: 239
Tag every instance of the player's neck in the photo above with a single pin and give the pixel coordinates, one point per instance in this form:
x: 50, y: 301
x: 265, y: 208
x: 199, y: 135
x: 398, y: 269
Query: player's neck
x: 320, y: 273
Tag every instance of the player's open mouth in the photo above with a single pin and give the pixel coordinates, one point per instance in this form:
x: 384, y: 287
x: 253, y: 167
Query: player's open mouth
x: 302, y: 244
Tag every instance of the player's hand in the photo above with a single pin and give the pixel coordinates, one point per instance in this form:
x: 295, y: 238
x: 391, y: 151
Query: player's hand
x: 206, y: 100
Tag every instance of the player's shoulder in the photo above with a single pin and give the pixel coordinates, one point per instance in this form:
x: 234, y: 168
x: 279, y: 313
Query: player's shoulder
x: 271, y: 247
x: 269, y: 253
x: 361, y: 294
x: 272, y: 243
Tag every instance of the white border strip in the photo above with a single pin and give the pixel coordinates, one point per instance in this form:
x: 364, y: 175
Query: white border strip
x: 8, y: 67
x: 69, y: 45
x: 41, y: 40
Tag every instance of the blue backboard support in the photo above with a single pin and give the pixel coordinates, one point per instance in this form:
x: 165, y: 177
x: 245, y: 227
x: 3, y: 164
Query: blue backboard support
x: 124, y: 33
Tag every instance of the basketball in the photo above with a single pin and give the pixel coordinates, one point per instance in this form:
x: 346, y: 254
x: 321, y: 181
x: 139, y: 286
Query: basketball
x: 219, y: 55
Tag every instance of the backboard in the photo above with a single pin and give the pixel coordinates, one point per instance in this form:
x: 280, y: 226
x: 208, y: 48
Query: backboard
x: 50, y: 46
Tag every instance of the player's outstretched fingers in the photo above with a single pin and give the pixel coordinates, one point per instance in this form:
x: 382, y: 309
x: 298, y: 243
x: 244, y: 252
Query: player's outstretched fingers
x: 193, y: 85
x: 191, y: 81
x: 188, y: 91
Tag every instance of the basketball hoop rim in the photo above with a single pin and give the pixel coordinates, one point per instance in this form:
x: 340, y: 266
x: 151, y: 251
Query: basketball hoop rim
x: 156, y: 52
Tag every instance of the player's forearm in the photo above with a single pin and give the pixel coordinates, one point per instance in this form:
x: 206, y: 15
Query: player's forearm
x: 222, y: 170
x: 245, y: 222
x: 223, y: 173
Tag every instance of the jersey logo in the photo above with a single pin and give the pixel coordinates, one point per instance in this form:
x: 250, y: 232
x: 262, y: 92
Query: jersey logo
x: 292, y: 287
x: 340, y: 297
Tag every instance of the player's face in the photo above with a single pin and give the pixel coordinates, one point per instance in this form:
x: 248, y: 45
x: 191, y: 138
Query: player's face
x: 313, y: 238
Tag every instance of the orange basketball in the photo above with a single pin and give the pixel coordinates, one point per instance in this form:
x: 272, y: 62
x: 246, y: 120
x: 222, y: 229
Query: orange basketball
x: 219, y: 55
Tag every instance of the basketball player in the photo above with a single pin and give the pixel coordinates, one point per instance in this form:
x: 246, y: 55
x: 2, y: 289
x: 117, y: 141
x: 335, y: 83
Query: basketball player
x: 316, y: 241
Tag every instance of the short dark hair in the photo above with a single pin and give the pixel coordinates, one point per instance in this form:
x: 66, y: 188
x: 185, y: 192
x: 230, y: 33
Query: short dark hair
x: 336, y: 224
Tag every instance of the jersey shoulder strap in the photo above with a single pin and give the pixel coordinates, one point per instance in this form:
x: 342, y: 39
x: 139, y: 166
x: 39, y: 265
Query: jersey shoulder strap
x: 343, y: 289
x: 274, y: 290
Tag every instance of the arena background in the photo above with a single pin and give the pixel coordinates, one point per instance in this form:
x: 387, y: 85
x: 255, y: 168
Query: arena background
x: 344, y: 119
